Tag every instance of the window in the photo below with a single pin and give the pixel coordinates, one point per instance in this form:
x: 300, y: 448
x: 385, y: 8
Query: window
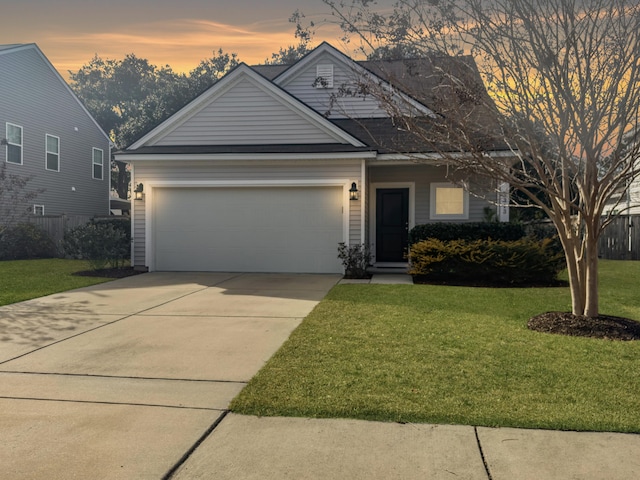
x: 38, y: 209
x: 98, y: 163
x: 14, y: 143
x: 324, y: 76
x: 52, y: 160
x: 449, y: 202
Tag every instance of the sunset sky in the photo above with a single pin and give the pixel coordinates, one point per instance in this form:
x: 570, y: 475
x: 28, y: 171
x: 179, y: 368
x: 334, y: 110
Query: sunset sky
x: 178, y: 33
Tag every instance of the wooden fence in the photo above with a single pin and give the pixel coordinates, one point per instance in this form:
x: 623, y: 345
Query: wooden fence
x: 56, y: 225
x: 621, y: 239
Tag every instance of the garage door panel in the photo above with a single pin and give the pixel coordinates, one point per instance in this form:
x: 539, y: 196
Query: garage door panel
x: 248, y: 229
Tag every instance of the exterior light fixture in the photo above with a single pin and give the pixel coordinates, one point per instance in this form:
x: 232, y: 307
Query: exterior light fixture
x: 353, y: 192
x: 138, y: 192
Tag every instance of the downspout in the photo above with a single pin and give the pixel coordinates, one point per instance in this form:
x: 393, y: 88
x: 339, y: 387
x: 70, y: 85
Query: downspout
x: 363, y: 201
x: 132, y: 212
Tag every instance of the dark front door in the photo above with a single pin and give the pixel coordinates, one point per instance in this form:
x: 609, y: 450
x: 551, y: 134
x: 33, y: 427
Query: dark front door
x: 392, y: 224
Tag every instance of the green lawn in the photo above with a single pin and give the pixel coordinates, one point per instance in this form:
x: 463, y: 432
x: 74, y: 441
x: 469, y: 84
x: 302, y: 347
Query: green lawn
x: 437, y: 354
x: 25, y: 279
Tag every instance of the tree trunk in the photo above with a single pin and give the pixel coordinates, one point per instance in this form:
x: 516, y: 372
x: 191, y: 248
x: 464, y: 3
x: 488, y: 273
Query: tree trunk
x: 576, y: 279
x: 122, y: 180
x: 591, y: 308
x: 582, y: 269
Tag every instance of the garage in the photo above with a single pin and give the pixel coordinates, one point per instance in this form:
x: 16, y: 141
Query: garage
x: 247, y: 229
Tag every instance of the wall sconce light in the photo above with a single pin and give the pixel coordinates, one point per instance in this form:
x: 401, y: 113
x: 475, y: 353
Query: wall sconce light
x: 138, y: 192
x: 353, y: 192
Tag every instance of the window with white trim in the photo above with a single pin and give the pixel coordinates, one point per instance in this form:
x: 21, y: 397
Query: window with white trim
x: 14, y: 143
x: 52, y: 160
x: 449, y: 202
x: 98, y: 163
x: 38, y: 209
x: 324, y: 76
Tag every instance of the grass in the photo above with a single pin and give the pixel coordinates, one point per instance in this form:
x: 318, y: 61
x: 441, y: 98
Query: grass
x: 455, y: 355
x: 25, y: 279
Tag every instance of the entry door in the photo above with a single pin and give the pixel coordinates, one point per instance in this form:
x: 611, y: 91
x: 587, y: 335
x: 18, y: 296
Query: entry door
x: 392, y: 224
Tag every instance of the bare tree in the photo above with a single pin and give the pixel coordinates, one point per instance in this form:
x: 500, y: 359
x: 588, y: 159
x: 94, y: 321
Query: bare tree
x: 15, y: 197
x: 568, y: 70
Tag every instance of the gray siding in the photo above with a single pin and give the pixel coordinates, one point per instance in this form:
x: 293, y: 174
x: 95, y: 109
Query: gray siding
x: 423, y: 176
x: 246, y: 115
x: 34, y: 97
x: 334, y: 99
x: 241, y: 171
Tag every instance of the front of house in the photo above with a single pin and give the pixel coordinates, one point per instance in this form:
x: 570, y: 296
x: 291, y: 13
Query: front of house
x: 270, y: 169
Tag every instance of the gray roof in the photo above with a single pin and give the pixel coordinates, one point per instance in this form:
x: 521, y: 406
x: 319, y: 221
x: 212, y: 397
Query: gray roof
x: 426, y: 79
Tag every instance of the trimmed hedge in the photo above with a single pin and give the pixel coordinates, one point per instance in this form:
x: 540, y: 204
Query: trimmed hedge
x: 487, y: 262
x: 467, y: 231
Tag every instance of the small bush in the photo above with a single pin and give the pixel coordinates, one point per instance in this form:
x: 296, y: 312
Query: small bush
x: 119, y: 223
x: 467, y: 231
x: 355, y: 260
x: 487, y: 262
x: 25, y: 241
x: 99, y: 242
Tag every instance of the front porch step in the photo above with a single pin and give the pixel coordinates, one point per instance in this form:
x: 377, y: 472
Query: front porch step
x: 374, y: 269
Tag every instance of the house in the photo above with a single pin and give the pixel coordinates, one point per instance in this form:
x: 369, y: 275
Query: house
x: 273, y: 166
x: 50, y: 137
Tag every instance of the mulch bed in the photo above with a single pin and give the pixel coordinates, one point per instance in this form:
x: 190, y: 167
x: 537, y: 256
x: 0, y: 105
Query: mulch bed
x: 563, y: 323
x: 603, y: 326
x: 109, y: 273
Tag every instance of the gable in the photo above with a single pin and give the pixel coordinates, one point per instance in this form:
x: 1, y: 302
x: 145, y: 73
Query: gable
x: 342, y: 95
x: 245, y: 109
x: 339, y: 99
x: 33, y: 81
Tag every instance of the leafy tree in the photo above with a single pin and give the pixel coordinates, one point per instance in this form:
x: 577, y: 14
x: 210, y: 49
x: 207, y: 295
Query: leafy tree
x: 569, y: 67
x: 293, y: 53
x: 130, y: 96
x: 210, y: 70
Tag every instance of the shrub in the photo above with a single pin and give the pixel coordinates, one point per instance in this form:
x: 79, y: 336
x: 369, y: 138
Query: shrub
x: 467, y: 231
x: 25, y: 241
x: 355, y: 259
x: 119, y: 223
x: 100, y: 242
x: 487, y: 262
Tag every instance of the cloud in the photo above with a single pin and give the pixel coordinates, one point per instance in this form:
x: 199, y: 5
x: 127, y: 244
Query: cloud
x: 180, y: 43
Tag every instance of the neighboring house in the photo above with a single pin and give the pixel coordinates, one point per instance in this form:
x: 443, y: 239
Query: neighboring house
x: 256, y: 174
x: 49, y: 136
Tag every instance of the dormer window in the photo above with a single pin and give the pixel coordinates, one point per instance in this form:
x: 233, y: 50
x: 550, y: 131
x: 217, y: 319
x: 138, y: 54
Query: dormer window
x: 324, y: 76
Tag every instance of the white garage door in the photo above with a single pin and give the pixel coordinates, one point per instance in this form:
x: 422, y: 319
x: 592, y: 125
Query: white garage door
x: 270, y: 229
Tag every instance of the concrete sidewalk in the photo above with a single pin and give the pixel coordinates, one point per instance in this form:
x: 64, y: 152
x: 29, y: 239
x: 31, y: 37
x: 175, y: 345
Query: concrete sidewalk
x: 131, y: 379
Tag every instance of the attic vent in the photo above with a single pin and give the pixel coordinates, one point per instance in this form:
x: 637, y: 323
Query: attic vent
x: 324, y: 76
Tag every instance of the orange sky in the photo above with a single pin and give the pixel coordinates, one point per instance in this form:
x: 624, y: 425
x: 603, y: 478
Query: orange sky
x: 177, y: 33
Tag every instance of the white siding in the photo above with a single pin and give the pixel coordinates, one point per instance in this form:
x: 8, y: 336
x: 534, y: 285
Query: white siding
x: 342, y: 101
x: 246, y: 114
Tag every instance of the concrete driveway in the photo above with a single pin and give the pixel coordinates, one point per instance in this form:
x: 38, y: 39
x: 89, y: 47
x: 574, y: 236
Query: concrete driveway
x: 131, y: 380
x: 121, y: 380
